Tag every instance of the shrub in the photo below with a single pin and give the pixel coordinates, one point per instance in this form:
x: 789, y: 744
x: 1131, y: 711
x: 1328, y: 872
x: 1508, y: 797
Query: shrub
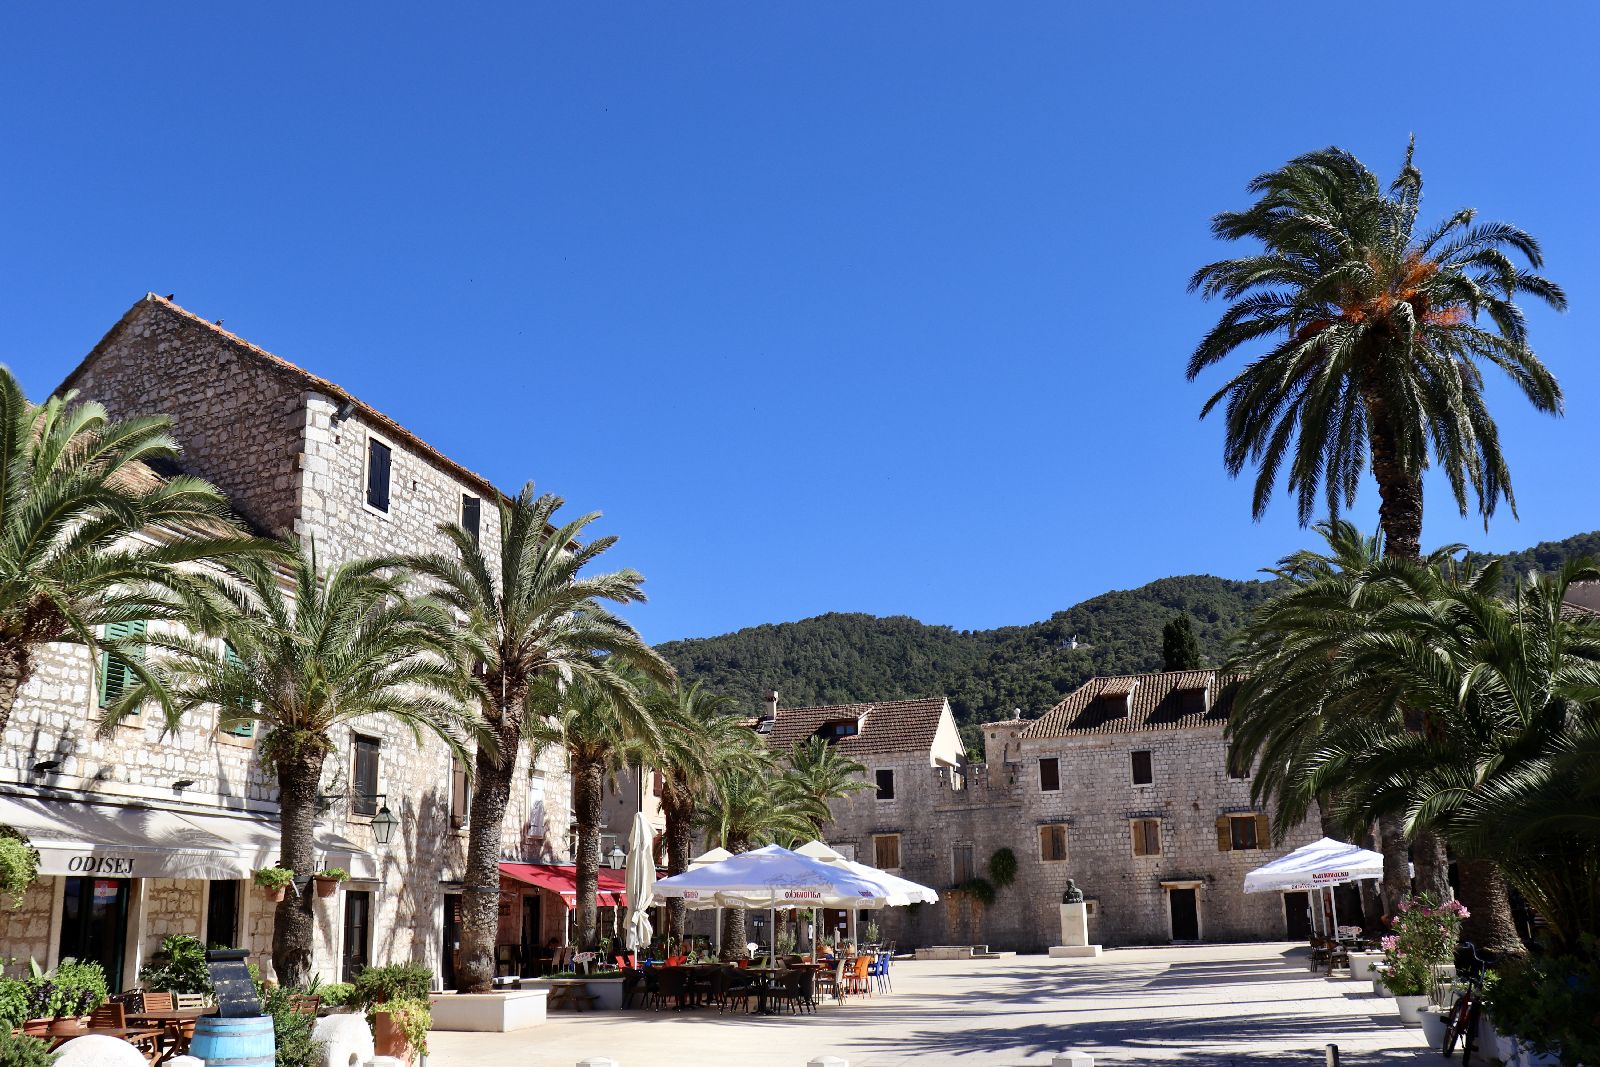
x: 19, y: 864
x: 397, y: 981
x: 1002, y: 867
x: 179, y: 966
x: 292, y: 1030
x: 1549, y: 1002
x: 1425, y: 937
x: 24, y: 1051
x: 13, y: 1002
x: 339, y: 994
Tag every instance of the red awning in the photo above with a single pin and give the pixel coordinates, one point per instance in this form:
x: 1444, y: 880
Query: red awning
x: 563, y: 879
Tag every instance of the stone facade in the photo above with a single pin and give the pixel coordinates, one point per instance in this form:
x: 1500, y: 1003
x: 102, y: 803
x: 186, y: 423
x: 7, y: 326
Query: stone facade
x: 947, y: 828
x: 290, y: 451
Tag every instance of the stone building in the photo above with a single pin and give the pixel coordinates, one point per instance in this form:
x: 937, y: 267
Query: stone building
x: 144, y: 834
x: 1122, y: 787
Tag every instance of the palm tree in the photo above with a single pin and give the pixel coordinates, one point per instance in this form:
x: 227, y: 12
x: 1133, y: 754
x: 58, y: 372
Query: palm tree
x: 349, y: 645
x: 700, y: 737
x: 1514, y: 690
x: 604, y: 726
x: 1377, y: 337
x: 531, y: 614
x: 752, y: 804
x: 91, y: 537
x: 1294, y: 687
x: 818, y: 772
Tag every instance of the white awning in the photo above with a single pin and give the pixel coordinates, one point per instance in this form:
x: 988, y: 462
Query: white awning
x: 75, y: 837
x: 1321, y: 863
x: 113, y: 841
x: 256, y: 839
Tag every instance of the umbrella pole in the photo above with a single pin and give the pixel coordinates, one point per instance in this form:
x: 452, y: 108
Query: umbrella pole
x: 1334, y: 901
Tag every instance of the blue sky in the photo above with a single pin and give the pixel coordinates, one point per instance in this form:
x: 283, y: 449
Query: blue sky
x: 828, y: 307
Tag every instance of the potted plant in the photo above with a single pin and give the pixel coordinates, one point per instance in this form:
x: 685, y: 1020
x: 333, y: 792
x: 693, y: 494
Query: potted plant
x: 1424, y: 940
x: 19, y: 864
x: 275, y: 880
x: 400, y: 1028
x: 328, y: 880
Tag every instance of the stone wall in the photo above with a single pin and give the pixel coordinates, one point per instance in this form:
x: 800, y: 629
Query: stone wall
x: 1004, y: 806
x: 236, y: 418
x: 171, y: 906
x: 25, y: 929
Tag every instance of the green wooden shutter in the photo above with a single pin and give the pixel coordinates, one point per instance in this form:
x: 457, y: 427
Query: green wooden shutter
x: 116, y: 676
x: 226, y: 723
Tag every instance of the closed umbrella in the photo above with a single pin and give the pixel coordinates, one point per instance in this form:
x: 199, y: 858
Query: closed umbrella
x: 641, y: 882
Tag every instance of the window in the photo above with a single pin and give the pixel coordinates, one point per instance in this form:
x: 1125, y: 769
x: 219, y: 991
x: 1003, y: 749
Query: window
x: 470, y: 507
x: 222, y: 914
x: 961, y: 864
x: 1240, y: 773
x: 1049, y: 775
x: 377, y: 474
x: 535, y: 827
x: 1191, y: 701
x: 460, y: 796
x: 116, y: 672
x: 230, y: 721
x: 1053, y: 843
x: 1146, y: 837
x: 364, y: 776
x: 655, y: 783
x: 885, y: 778
x: 838, y: 729
x: 1143, y: 772
x: 886, y: 852
x: 1243, y: 833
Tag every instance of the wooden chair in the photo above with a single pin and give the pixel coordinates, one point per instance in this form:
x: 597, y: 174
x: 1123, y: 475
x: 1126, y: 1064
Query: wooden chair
x: 188, y: 1001
x: 157, y: 1002
x: 109, y: 1016
x: 304, y: 1003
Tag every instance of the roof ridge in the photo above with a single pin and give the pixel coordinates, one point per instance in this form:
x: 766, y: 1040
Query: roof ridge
x: 316, y: 381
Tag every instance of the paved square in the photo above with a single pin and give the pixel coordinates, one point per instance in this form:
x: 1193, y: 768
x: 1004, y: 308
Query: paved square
x: 1250, y: 1004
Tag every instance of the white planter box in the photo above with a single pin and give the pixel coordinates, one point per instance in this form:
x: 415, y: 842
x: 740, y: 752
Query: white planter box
x: 1410, y: 1006
x: 516, y: 1009
x: 609, y: 990
x: 1362, y: 963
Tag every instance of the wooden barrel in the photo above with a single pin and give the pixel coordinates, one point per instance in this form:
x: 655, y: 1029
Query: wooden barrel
x: 233, y: 1042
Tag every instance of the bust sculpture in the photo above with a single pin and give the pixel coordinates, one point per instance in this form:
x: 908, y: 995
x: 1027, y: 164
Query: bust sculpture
x: 1072, y: 894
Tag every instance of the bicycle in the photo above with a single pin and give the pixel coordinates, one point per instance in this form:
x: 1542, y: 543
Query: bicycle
x: 1461, y: 1024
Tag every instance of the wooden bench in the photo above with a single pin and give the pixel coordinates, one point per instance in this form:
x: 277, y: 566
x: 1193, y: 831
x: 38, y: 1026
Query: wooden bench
x: 571, y: 992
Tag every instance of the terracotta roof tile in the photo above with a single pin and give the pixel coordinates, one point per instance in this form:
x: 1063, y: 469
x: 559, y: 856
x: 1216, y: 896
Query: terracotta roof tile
x: 889, y: 727
x: 1159, y: 702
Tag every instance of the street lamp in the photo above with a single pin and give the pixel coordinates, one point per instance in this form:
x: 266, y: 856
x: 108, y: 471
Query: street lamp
x: 383, y: 825
x: 616, y: 857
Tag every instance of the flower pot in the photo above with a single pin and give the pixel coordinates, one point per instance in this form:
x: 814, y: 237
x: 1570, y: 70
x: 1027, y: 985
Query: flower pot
x: 327, y: 887
x: 387, y: 1037
x: 275, y: 895
x: 1433, y: 1026
x: 1379, y: 989
x: 1410, y: 1006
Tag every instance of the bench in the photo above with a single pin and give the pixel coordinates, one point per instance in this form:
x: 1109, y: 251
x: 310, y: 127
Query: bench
x: 571, y: 992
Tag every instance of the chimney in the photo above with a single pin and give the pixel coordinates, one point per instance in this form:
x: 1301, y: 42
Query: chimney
x: 770, y: 709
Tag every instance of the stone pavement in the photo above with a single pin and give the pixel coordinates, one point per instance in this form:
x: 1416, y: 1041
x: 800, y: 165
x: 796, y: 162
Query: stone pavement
x: 1249, y: 1005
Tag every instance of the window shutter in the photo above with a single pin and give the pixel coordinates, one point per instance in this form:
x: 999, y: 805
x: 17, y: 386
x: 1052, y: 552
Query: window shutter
x: 378, y: 474
x: 226, y: 722
x: 1153, y: 828
x: 1263, y: 831
x: 1138, y: 838
x: 458, y: 794
x: 1224, y: 834
x: 469, y: 516
x: 116, y: 677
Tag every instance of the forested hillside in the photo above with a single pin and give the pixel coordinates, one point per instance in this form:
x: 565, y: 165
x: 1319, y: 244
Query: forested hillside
x: 839, y: 658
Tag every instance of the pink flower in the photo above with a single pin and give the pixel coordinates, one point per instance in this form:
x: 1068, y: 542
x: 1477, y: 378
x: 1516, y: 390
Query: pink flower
x: 1405, y: 906
x: 1390, y: 943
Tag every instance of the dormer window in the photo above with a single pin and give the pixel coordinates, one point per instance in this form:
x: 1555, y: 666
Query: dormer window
x: 837, y: 729
x: 1194, y: 701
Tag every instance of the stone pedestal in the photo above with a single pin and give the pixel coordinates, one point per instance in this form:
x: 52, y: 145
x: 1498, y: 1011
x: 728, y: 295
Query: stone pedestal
x: 492, y: 1012
x: 1074, y: 933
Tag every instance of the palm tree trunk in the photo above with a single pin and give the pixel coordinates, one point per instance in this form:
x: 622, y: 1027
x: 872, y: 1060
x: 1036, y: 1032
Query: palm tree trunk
x: 1432, y: 865
x: 734, y: 938
x: 1396, y: 864
x: 293, y: 924
x: 588, y: 785
x: 1489, y: 924
x: 680, y: 842
x: 480, y: 904
x: 15, y: 666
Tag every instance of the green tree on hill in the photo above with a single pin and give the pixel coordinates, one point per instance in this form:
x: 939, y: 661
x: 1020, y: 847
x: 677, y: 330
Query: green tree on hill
x: 1179, y: 649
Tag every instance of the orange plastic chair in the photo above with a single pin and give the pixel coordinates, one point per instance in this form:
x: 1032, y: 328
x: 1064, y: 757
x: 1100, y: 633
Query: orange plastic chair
x: 859, y: 982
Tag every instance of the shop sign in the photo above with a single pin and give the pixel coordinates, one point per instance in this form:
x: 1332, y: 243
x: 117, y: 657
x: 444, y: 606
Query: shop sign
x: 117, y: 865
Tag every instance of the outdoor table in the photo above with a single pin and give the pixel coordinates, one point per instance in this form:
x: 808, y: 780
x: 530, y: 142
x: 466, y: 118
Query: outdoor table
x: 175, y: 1024
x: 61, y: 1035
x: 765, y: 976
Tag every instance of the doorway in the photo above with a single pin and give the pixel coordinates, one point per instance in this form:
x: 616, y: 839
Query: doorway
x: 1185, y: 909
x: 1297, y: 916
x: 357, y: 932
x: 94, y: 924
x: 531, y: 924
x: 450, y: 951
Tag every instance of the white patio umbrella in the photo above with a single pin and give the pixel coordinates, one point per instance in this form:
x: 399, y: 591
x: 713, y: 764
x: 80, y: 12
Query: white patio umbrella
x: 640, y: 883
x: 706, y: 858
x: 899, y: 891
x: 1324, y: 863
